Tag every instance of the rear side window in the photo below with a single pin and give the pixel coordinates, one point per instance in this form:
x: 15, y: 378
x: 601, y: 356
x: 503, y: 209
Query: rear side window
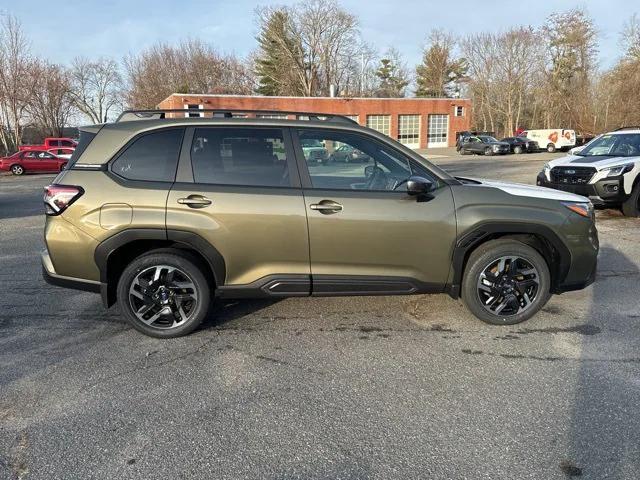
x: 83, y: 143
x: 151, y: 157
x: 240, y: 156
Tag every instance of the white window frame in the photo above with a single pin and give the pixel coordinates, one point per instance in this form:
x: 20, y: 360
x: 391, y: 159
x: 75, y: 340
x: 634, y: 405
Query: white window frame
x: 381, y: 123
x: 409, y: 127
x: 458, y: 108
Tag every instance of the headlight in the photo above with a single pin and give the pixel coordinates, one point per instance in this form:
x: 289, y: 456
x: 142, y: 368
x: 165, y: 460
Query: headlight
x: 619, y: 170
x: 546, y: 167
x: 582, y: 209
x: 496, y: 147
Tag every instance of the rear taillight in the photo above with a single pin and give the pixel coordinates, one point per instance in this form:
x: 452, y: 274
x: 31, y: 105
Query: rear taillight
x: 58, y: 197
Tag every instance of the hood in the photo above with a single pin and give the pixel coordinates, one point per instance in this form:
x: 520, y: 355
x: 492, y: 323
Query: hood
x: 524, y: 190
x: 598, y: 162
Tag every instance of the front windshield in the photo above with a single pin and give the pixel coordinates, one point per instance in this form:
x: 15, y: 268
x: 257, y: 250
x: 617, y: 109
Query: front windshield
x: 488, y: 139
x: 618, y: 145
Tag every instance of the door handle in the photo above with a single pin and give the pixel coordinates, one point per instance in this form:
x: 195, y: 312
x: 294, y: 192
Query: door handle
x: 326, y: 207
x: 195, y: 201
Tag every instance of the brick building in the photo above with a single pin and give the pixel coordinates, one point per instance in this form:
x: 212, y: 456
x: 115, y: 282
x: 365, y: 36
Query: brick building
x: 416, y: 122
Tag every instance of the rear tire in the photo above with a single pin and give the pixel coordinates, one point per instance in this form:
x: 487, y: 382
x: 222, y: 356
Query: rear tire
x: 631, y: 207
x: 17, y: 169
x: 176, y: 292
x: 532, y: 289
x: 63, y: 166
x: 551, y: 148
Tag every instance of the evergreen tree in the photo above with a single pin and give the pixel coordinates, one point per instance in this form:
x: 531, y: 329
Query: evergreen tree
x: 392, y: 79
x: 439, y: 75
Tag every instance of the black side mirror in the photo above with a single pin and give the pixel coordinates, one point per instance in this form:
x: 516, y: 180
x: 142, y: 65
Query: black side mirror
x: 418, y: 185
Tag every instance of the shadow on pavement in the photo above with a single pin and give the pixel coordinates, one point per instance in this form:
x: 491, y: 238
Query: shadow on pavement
x: 602, y: 439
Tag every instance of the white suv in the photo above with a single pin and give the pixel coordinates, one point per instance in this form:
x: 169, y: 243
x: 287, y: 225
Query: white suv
x: 607, y: 171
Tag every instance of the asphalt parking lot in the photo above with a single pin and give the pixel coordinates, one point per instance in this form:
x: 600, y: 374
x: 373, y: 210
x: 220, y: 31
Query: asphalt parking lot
x: 372, y: 387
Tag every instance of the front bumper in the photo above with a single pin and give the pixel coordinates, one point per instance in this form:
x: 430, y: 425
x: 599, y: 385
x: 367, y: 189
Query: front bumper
x: 608, y: 191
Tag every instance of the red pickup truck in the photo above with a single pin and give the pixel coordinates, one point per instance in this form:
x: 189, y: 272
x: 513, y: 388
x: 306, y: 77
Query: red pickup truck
x: 50, y: 143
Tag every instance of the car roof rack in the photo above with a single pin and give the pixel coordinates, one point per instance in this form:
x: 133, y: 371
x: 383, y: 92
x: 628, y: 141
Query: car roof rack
x: 631, y: 127
x: 157, y: 114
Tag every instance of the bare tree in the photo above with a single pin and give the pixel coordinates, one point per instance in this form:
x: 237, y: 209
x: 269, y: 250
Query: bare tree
x: 310, y: 47
x: 50, y: 101
x: 503, y: 69
x: 190, y: 67
x: 96, y: 87
x: 15, y: 60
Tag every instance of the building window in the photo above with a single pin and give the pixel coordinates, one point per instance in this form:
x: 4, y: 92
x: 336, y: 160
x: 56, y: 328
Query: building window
x: 409, y: 130
x: 458, y: 111
x: 193, y: 110
x: 437, y: 133
x: 381, y: 123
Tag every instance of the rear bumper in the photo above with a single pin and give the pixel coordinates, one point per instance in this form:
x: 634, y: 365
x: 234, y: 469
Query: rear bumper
x: 608, y: 191
x: 51, y: 277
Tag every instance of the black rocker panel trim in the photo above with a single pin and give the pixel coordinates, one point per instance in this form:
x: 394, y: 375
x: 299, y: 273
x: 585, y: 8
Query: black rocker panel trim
x: 269, y: 286
x: 345, y: 285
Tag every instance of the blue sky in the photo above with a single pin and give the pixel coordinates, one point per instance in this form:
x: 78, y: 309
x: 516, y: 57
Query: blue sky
x: 61, y: 30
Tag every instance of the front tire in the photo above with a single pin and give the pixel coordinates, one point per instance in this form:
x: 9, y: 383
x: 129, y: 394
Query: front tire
x: 488, y: 151
x: 505, y: 282
x: 517, y: 150
x: 17, y: 169
x: 164, y: 294
x: 63, y: 166
x: 631, y: 206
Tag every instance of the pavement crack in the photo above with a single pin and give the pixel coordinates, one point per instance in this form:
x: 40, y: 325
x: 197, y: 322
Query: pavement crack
x: 147, y: 366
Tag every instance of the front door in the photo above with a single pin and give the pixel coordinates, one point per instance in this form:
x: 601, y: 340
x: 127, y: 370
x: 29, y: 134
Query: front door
x: 366, y: 234
x: 238, y: 189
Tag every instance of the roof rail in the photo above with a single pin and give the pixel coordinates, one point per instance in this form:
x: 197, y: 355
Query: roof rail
x: 156, y: 114
x: 631, y: 127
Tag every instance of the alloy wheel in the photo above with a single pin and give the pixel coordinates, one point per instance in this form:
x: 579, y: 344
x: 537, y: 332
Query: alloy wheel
x: 163, y: 297
x: 508, y: 285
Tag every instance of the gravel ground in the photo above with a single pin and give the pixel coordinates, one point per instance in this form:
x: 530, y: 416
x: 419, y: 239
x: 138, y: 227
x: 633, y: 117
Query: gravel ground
x: 364, y: 387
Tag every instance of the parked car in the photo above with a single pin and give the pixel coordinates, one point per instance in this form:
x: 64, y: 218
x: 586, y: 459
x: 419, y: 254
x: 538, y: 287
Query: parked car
x: 552, y: 139
x: 461, y: 137
x: 62, y: 152
x: 346, y: 153
x: 521, y: 144
x: 32, y: 161
x: 315, y: 151
x: 484, y: 145
x: 179, y: 225
x: 50, y: 143
x: 607, y: 170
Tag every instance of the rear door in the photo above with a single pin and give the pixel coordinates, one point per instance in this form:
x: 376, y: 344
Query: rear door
x: 366, y: 234
x: 239, y: 190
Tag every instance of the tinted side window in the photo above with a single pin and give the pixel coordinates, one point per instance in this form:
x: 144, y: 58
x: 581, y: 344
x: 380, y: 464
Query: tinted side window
x: 152, y: 157
x: 240, y: 156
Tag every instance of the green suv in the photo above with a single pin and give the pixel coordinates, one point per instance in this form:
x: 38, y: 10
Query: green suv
x: 162, y: 215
